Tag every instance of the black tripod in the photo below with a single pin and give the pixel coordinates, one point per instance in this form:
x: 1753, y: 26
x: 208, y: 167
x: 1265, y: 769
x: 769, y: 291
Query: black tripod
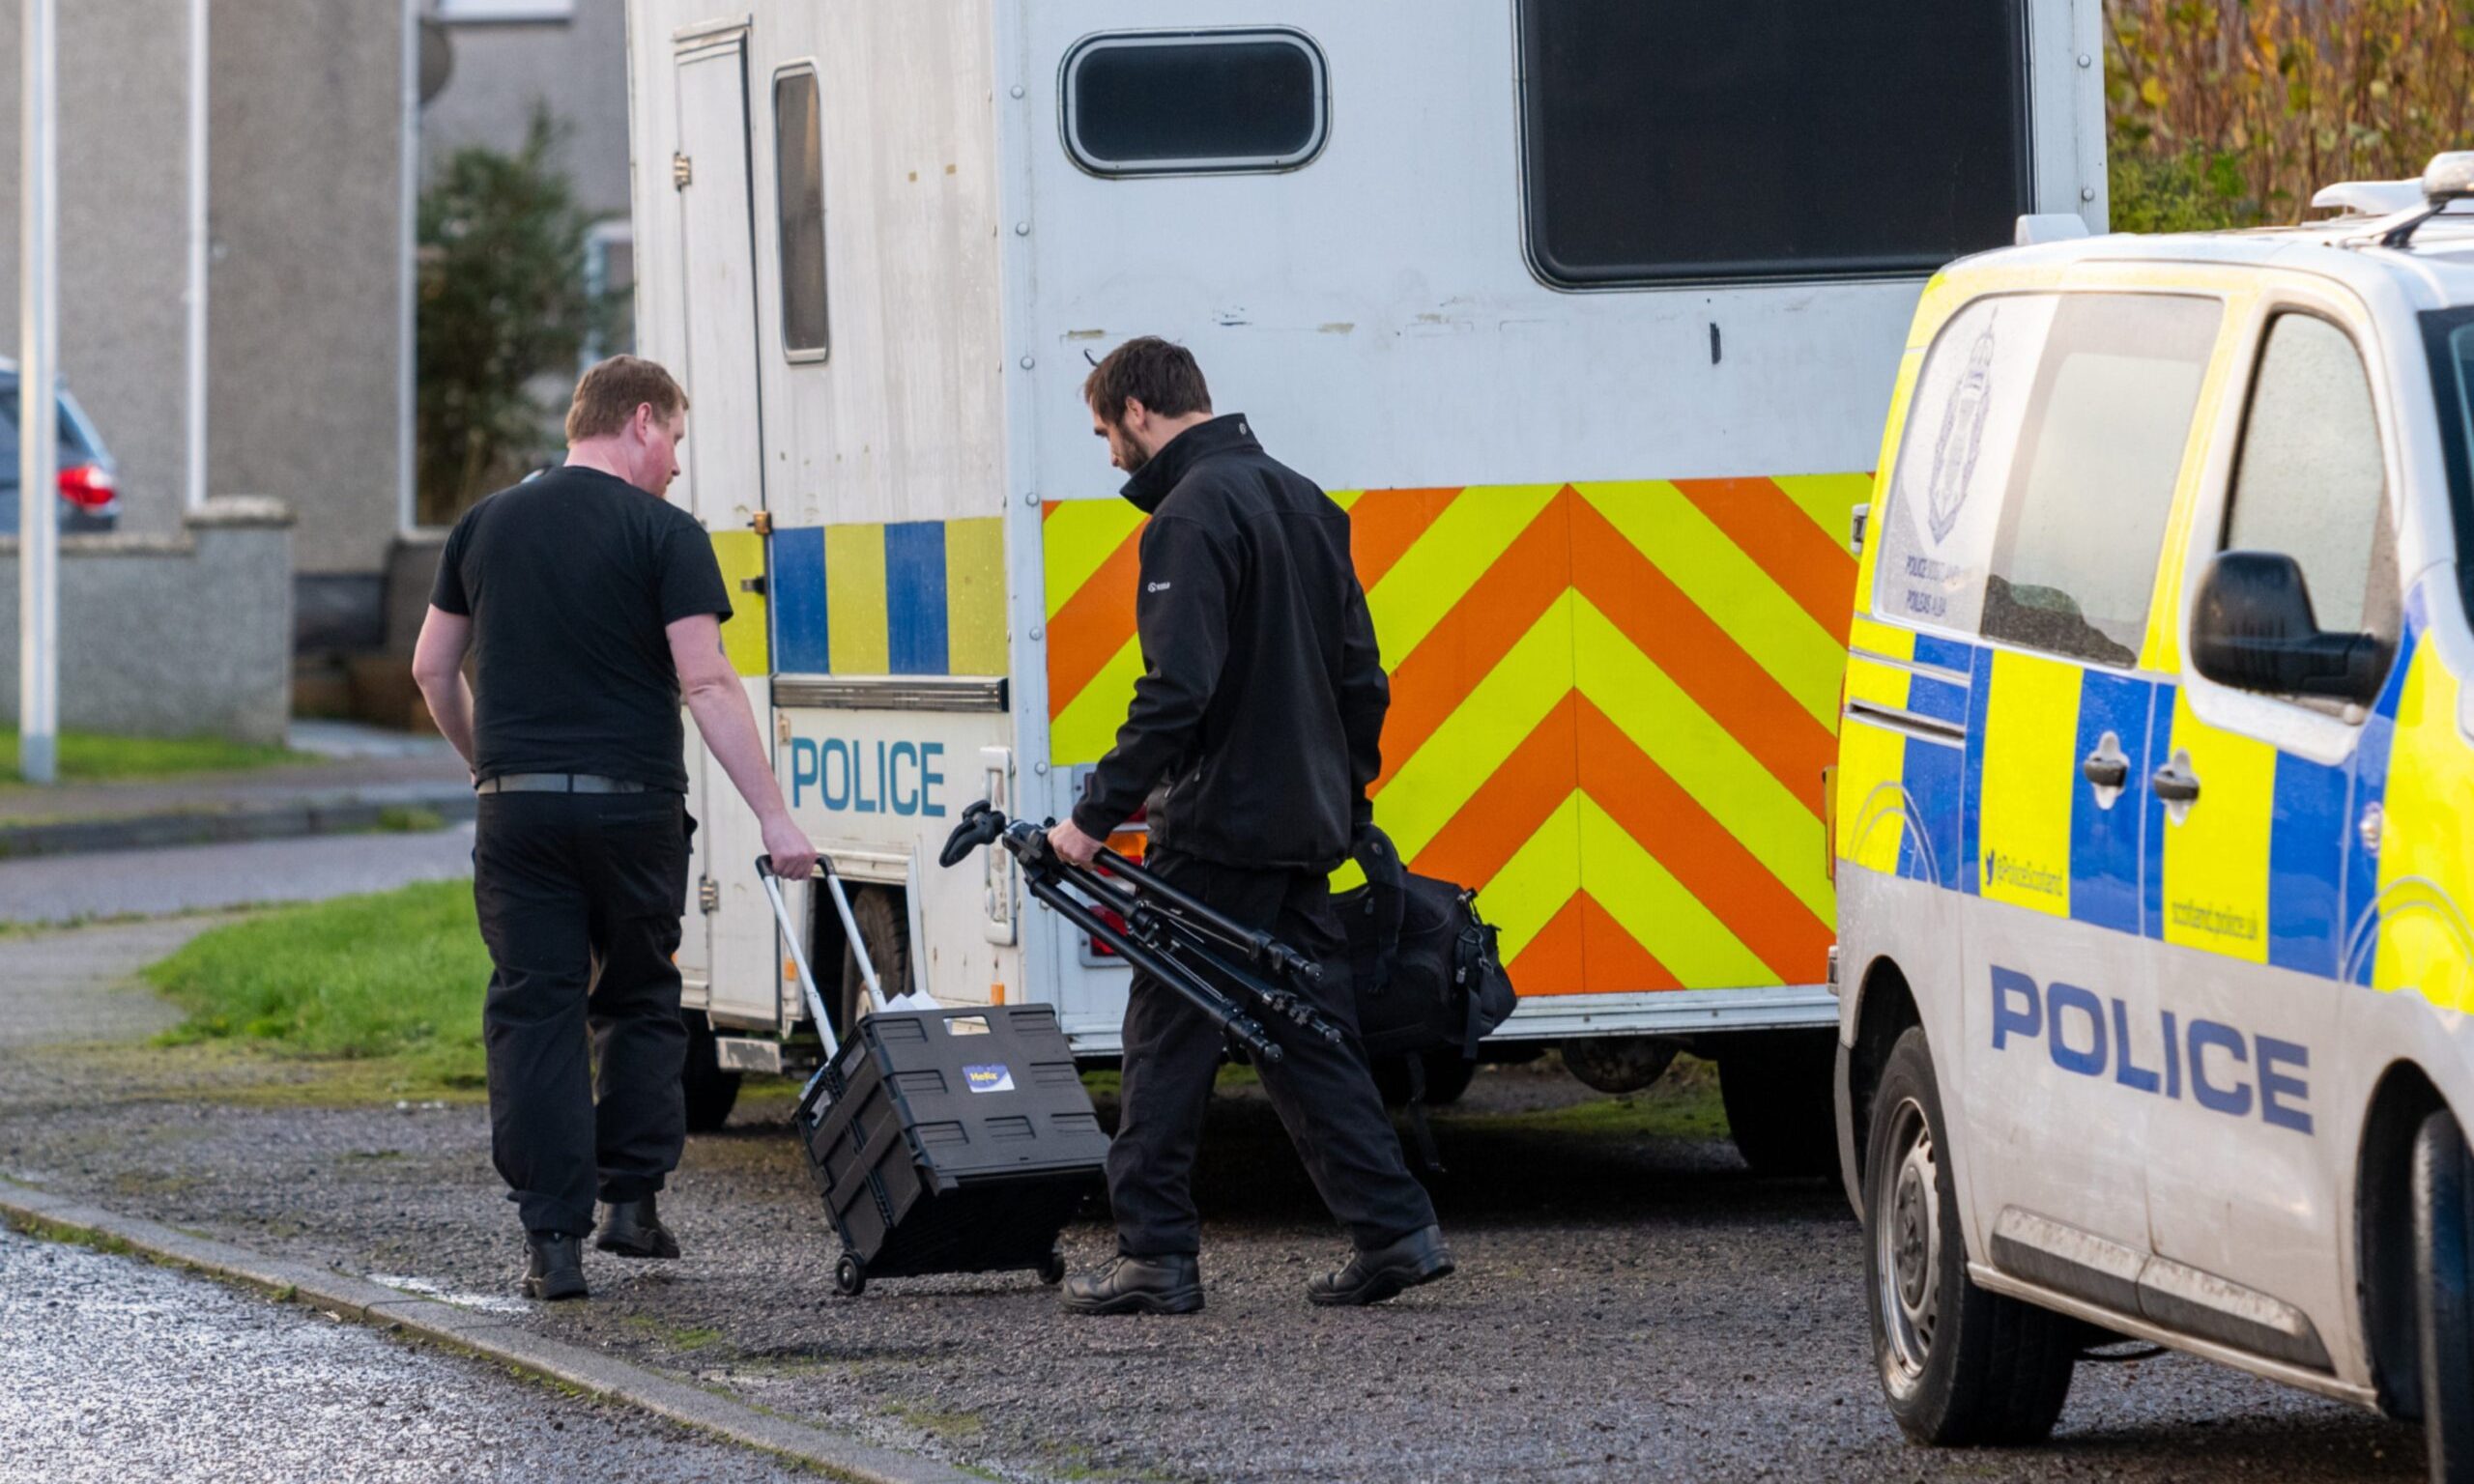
x: 1168, y: 933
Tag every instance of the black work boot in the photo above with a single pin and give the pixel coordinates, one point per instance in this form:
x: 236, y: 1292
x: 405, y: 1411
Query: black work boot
x: 634, y: 1229
x: 1136, y: 1285
x: 1372, y: 1276
x: 553, y: 1266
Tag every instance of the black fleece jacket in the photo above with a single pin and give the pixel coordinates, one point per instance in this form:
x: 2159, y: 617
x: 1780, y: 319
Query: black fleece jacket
x: 1258, y: 718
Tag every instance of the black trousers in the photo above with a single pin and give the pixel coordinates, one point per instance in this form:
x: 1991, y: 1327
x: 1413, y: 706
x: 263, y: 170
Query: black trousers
x: 569, y: 886
x: 1323, y: 1093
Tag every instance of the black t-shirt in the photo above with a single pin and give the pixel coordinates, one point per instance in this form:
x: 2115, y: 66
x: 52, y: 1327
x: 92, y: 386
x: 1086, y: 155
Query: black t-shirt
x: 570, y: 581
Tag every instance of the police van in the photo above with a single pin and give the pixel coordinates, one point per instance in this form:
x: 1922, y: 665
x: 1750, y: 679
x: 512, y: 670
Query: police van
x: 2153, y: 819
x: 1586, y: 311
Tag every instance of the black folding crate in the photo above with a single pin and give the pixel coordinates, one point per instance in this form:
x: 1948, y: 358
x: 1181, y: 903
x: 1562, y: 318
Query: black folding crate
x: 950, y: 1141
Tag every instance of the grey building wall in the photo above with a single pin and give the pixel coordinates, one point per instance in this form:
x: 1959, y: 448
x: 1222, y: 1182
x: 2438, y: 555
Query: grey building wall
x: 577, y: 67
x: 170, y: 635
x: 307, y: 149
x: 124, y: 212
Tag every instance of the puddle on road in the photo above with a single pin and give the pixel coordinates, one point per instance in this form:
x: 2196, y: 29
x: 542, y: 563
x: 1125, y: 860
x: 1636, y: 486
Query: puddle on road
x: 423, y: 1288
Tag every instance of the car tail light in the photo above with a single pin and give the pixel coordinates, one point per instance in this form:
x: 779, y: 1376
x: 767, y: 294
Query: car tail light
x: 1116, y: 920
x: 87, y: 486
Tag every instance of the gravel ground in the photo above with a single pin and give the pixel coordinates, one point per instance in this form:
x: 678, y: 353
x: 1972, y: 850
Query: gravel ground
x: 118, y: 1370
x: 1630, y: 1304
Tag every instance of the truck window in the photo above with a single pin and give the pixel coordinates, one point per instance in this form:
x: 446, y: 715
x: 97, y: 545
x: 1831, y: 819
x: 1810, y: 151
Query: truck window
x: 798, y: 177
x: 2100, y: 448
x: 1711, y: 140
x: 1182, y: 103
x: 2309, y: 478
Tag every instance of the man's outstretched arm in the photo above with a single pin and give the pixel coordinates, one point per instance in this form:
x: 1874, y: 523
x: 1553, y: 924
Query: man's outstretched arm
x: 718, y: 702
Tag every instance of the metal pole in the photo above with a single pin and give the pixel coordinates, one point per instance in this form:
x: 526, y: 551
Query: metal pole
x: 194, y: 298
x: 408, y: 197
x: 38, y: 414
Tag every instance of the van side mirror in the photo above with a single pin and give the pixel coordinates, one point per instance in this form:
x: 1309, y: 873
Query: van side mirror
x: 2254, y: 629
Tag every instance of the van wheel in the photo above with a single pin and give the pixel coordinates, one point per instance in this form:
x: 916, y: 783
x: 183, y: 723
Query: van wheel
x: 711, y: 1092
x: 886, y: 933
x: 1777, y: 1089
x: 2443, y: 1299
x: 1959, y: 1365
x: 1448, y: 1077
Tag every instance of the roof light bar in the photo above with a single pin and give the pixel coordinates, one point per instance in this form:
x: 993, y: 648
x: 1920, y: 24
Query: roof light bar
x: 2448, y: 178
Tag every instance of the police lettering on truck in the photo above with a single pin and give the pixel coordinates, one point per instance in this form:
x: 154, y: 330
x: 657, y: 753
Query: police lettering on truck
x: 858, y: 776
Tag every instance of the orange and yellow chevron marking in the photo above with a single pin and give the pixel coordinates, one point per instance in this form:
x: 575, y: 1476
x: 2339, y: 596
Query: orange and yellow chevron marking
x: 1611, y: 703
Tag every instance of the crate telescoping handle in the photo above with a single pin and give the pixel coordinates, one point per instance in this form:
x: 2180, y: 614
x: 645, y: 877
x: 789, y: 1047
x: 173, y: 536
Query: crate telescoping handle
x: 791, y: 935
x: 842, y: 907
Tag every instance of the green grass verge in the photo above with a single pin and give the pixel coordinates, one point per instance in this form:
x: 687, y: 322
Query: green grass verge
x: 395, y: 977
x: 88, y: 758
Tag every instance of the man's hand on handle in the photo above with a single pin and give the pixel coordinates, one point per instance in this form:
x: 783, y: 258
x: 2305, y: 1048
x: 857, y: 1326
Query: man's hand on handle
x: 1066, y: 838
x: 793, y: 853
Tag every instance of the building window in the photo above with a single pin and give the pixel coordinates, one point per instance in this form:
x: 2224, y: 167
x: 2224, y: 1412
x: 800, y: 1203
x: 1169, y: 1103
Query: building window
x: 453, y: 11
x: 798, y: 177
x: 1186, y: 102
x: 610, y: 276
x: 1710, y: 140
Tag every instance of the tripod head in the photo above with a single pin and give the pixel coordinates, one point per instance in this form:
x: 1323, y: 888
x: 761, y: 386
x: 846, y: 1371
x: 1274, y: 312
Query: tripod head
x: 1158, y: 928
x: 980, y: 824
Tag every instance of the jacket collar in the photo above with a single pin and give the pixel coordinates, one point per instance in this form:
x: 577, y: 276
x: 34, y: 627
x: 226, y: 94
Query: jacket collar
x: 1151, y: 483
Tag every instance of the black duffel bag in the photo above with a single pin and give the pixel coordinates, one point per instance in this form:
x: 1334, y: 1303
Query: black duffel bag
x: 1430, y: 978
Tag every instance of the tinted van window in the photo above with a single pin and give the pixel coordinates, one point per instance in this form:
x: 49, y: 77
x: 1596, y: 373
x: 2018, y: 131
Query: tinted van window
x: 2036, y: 467
x: 1713, y: 139
x: 1153, y: 104
x: 2106, y: 427
x: 2310, y: 479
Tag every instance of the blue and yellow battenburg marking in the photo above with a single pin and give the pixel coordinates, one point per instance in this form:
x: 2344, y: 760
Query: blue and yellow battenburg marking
x: 2270, y: 864
x: 899, y: 598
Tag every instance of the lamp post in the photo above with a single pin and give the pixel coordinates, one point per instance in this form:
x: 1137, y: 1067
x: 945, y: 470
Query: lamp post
x: 39, y: 411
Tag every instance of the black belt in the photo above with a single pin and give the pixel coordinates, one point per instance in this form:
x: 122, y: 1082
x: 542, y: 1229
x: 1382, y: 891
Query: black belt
x: 557, y: 782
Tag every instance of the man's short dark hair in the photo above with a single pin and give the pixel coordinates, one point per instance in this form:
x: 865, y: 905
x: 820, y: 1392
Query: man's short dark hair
x: 1161, y: 376
x: 613, y: 389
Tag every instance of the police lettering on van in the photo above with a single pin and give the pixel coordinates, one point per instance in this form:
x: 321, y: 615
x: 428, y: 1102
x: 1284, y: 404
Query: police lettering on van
x: 2073, y: 1023
x: 857, y: 776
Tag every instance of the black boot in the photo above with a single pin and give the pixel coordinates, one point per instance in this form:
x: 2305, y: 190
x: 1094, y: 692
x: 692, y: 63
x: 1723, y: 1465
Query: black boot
x: 1372, y: 1276
x: 1136, y: 1285
x: 553, y: 1266
x: 634, y: 1229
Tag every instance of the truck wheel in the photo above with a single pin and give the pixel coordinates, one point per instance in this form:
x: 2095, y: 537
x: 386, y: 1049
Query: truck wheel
x: 1448, y: 1077
x: 2443, y: 1298
x: 1777, y: 1092
x: 886, y: 932
x: 710, y: 1090
x: 1959, y: 1365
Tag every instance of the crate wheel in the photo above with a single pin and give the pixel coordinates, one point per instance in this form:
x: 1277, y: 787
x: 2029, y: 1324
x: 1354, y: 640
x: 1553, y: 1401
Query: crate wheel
x: 1052, y: 1266
x: 849, y: 1279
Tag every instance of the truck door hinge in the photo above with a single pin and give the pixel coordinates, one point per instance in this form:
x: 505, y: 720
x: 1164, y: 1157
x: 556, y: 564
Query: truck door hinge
x: 753, y: 585
x: 683, y: 171
x: 762, y: 522
x: 709, y: 896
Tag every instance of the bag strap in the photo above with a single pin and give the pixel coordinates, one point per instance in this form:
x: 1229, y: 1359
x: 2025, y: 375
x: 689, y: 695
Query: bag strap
x: 1387, y: 882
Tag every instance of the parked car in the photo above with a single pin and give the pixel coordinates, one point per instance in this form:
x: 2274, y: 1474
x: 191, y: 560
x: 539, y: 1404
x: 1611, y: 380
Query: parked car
x: 89, y: 493
x: 2153, y: 799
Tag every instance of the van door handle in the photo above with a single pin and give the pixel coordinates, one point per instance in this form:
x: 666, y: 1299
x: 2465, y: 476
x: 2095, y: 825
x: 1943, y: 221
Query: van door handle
x: 2175, y: 782
x: 2106, y: 767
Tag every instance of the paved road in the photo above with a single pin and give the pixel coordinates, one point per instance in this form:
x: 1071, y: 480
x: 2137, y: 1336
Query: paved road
x: 118, y: 1371
x: 61, y: 889
x: 1631, y: 1305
